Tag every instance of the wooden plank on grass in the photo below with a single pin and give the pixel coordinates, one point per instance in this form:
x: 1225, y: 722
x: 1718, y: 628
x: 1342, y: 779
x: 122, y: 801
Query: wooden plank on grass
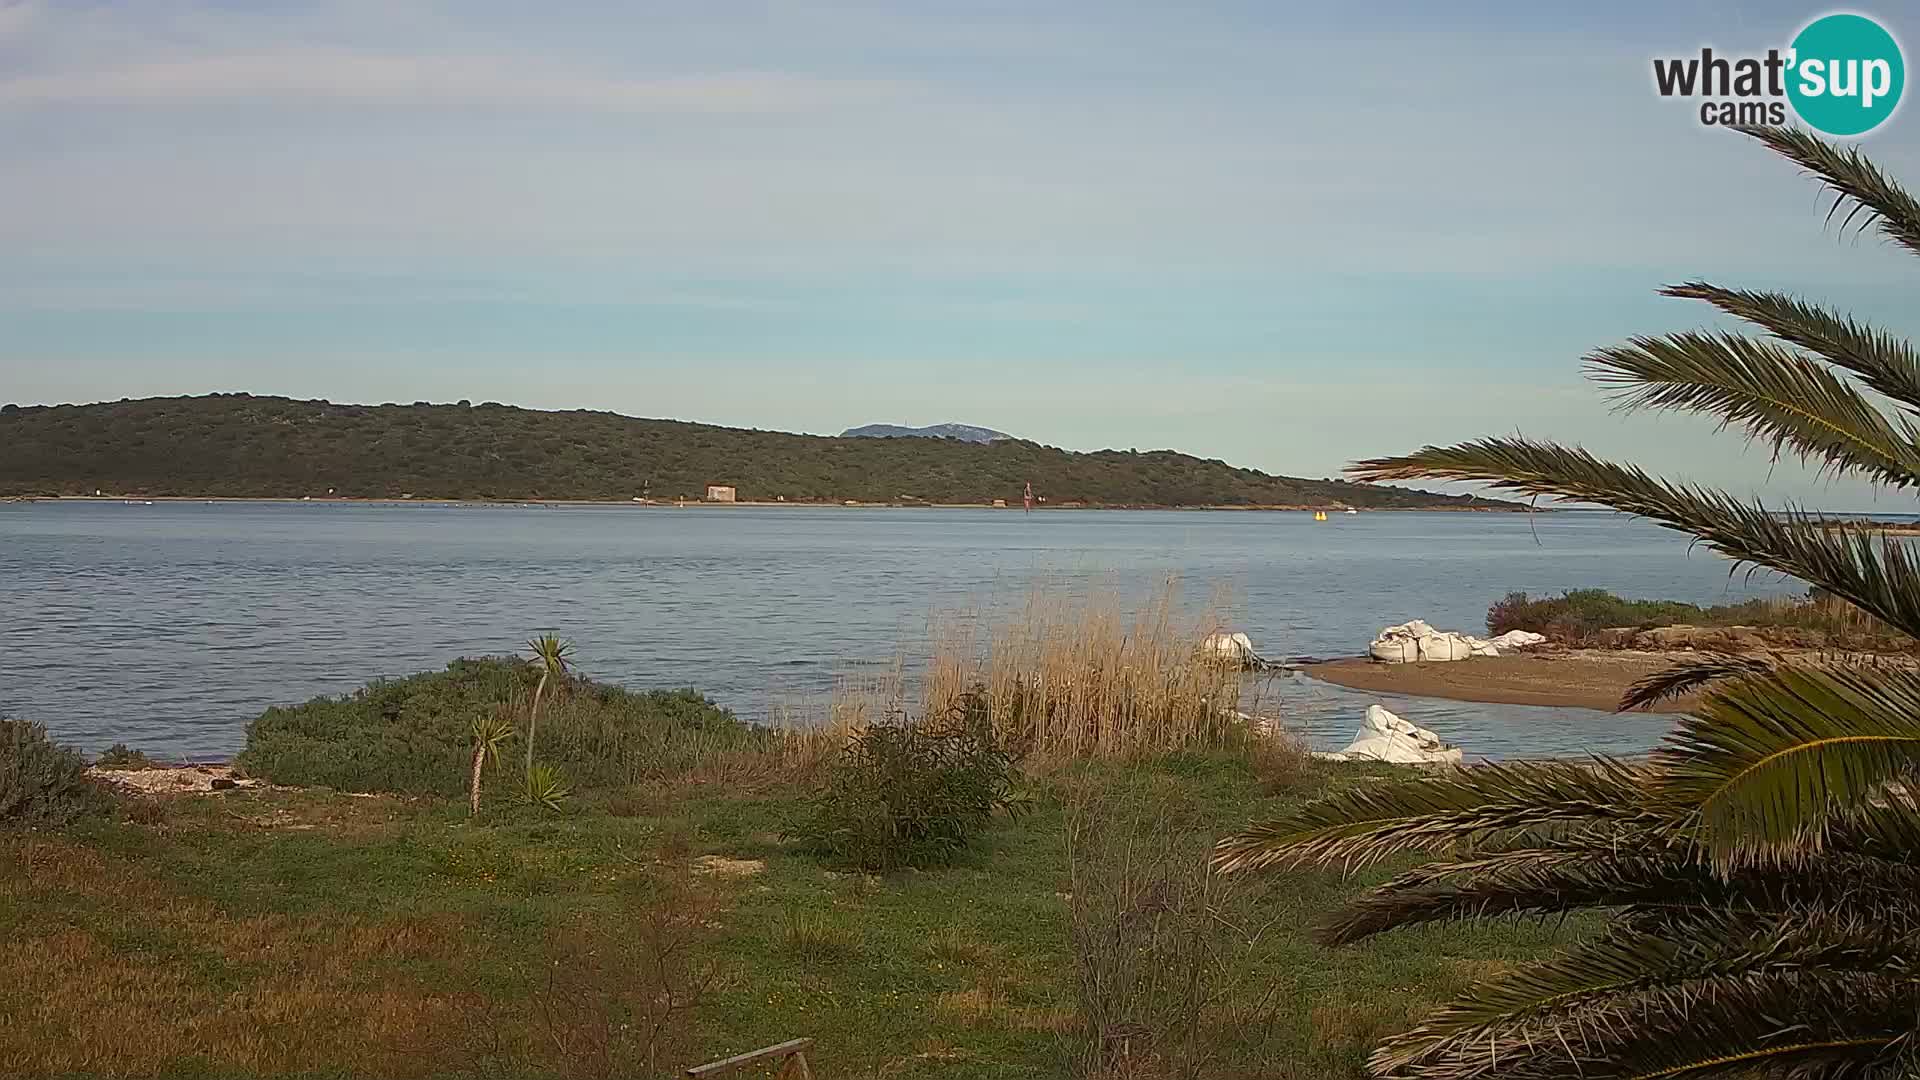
x: 793, y: 1052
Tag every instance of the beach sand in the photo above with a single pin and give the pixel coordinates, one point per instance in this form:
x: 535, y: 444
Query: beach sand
x: 1587, y: 679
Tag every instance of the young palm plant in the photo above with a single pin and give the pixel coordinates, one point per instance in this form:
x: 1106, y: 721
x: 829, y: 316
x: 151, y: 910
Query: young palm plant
x: 490, y: 731
x: 553, y: 656
x: 1760, y: 874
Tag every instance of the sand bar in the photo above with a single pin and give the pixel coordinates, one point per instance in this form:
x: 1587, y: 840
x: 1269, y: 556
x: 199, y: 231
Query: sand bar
x: 1581, y: 678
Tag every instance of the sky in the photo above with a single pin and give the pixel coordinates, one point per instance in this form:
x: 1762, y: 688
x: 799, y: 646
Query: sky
x: 1285, y: 235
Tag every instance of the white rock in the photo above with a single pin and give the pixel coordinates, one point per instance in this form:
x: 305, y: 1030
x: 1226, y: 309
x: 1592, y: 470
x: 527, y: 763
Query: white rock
x: 1384, y: 736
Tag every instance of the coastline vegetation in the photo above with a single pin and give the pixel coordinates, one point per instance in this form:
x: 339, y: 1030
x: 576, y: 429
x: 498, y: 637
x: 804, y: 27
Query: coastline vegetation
x: 1585, y: 617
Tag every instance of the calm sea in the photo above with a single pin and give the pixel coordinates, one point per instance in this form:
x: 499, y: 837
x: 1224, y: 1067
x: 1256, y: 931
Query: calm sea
x: 168, y: 626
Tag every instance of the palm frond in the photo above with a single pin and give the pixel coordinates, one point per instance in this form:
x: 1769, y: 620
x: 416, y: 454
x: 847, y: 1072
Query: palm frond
x: 1771, y: 759
x: 1777, y: 395
x: 1886, y: 363
x: 1546, y: 880
x: 1875, y: 573
x: 1885, y: 829
x: 1442, y: 813
x: 1686, y: 676
x: 1857, y: 184
x: 1655, y: 877
x: 1792, y: 1024
x: 1598, y: 995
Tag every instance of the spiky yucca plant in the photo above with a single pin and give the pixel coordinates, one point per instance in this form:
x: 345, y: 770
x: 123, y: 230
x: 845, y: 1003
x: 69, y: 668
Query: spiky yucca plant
x: 490, y: 731
x: 544, y: 786
x: 1761, y: 872
x: 553, y: 656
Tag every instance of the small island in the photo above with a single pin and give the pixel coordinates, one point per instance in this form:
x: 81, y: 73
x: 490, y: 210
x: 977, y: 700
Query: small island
x: 248, y: 447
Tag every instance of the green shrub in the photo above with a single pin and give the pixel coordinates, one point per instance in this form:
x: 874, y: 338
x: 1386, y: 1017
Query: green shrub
x: 120, y: 757
x: 415, y: 735
x: 910, y: 794
x: 42, y: 782
x: 1575, y: 617
x: 1580, y: 613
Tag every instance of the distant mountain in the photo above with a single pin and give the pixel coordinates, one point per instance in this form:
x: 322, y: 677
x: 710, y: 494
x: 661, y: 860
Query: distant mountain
x: 238, y: 445
x: 963, y: 432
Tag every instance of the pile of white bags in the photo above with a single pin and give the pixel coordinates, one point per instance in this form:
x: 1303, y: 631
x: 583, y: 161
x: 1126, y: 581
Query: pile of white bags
x: 1231, y: 647
x: 1386, y: 737
x: 1415, y: 641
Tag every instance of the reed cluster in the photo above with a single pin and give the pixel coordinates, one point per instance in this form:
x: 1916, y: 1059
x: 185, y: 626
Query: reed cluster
x: 1079, y: 672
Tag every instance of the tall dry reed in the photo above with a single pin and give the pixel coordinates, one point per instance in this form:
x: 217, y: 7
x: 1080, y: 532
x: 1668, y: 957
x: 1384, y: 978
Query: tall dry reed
x: 1078, y: 672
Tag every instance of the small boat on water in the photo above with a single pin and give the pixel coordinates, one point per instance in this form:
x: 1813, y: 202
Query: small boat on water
x: 1319, y: 515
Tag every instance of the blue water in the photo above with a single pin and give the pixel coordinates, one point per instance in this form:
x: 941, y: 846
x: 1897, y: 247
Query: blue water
x: 168, y: 626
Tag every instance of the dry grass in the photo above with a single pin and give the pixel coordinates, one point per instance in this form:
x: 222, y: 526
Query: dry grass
x: 166, y: 967
x: 1068, y: 673
x: 1073, y: 674
x: 975, y: 1007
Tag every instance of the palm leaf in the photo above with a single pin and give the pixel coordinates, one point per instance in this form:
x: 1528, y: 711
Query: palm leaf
x: 1687, y: 675
x: 1875, y: 573
x: 1365, y: 824
x: 1776, y: 394
x: 1887, y: 364
x: 1630, y: 969
x: 1869, y: 195
x: 1799, y: 1023
x: 1655, y: 877
x: 1770, y: 759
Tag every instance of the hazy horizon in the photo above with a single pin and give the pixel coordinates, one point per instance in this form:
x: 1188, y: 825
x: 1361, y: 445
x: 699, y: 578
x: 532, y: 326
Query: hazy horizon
x: 1282, y: 238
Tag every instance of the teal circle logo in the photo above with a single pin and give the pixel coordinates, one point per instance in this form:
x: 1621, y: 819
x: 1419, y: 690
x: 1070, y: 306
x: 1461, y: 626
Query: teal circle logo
x: 1847, y: 74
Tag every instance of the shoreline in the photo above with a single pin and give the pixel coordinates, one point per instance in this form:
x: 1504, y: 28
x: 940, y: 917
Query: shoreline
x: 1575, y: 678
x: 670, y: 504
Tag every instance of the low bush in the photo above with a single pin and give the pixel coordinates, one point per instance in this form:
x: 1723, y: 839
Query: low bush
x: 1575, y: 617
x: 1161, y: 983
x: 415, y: 735
x: 1580, y: 613
x: 120, y: 757
x: 609, y: 998
x: 42, y: 782
x: 904, y: 793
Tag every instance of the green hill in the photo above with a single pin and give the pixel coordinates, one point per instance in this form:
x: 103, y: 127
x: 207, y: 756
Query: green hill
x: 238, y: 445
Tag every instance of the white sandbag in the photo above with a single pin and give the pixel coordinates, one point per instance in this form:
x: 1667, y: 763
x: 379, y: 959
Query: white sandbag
x: 1228, y: 646
x: 1386, y: 737
x: 1415, y: 641
x: 1519, y: 639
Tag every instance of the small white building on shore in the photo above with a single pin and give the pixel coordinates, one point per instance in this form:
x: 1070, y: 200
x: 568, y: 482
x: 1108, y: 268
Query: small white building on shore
x: 721, y: 493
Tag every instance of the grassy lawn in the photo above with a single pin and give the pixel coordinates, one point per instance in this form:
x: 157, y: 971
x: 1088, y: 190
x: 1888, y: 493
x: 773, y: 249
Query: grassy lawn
x: 313, y: 933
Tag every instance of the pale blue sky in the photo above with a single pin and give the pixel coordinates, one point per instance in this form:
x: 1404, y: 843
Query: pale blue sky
x: 1284, y: 235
